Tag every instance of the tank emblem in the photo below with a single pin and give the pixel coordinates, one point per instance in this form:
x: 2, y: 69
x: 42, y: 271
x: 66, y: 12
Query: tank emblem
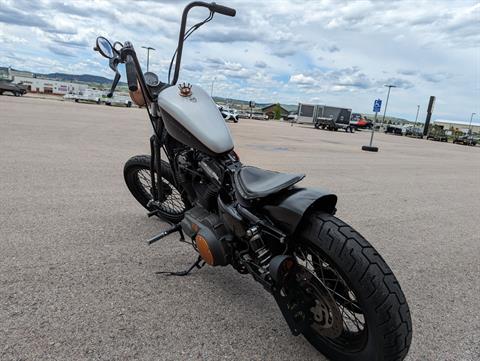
x: 185, y: 89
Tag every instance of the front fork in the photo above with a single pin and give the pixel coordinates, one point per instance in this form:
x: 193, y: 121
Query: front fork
x: 155, y: 163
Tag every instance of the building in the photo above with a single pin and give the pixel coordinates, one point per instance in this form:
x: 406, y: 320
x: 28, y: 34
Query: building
x: 457, y: 126
x: 269, y: 111
x: 38, y: 84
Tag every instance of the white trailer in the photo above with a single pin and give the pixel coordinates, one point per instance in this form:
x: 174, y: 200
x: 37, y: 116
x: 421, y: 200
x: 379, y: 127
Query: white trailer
x: 325, y: 117
x: 306, y: 113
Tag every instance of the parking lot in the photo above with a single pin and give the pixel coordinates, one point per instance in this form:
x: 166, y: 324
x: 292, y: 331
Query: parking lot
x: 77, y: 280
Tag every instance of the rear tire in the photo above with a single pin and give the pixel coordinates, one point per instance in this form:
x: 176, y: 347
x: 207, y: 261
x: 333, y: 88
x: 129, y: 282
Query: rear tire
x: 137, y: 177
x: 369, y: 282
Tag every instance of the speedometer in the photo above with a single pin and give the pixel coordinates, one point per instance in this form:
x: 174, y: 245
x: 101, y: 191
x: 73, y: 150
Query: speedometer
x: 151, y: 78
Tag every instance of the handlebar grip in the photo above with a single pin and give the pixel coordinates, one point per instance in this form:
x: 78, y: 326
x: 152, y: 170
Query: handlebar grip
x: 131, y: 74
x: 224, y: 10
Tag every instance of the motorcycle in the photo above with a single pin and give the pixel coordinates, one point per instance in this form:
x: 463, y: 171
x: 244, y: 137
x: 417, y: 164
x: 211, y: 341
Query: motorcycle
x: 330, y: 284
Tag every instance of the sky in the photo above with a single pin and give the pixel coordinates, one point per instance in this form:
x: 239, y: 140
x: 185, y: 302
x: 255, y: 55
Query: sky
x: 332, y: 52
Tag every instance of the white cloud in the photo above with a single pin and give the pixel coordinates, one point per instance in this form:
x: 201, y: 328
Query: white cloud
x: 302, y: 79
x: 341, y: 52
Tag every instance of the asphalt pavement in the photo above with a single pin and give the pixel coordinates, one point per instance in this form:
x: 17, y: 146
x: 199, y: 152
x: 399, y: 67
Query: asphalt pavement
x: 78, y: 282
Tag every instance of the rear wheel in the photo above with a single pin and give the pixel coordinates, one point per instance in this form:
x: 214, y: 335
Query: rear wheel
x: 137, y: 177
x: 359, y: 311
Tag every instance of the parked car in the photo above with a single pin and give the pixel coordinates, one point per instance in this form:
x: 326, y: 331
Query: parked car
x: 119, y: 100
x: 228, y: 114
x: 292, y: 117
x: 358, y: 121
x: 393, y: 129
x: 15, y: 89
x: 414, y: 132
x: 244, y: 114
x: 466, y: 140
x: 259, y: 116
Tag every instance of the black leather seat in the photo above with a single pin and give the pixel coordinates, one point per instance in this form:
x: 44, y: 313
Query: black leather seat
x: 253, y: 182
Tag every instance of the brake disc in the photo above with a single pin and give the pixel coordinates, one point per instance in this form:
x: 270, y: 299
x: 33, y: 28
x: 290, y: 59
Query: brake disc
x: 326, y: 319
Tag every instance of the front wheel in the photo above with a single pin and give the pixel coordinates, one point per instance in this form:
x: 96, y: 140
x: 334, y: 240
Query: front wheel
x: 358, y: 312
x: 137, y: 177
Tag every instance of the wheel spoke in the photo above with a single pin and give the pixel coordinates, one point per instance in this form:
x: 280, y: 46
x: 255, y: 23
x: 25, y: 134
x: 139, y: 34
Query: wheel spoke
x: 173, y: 202
x: 353, y: 320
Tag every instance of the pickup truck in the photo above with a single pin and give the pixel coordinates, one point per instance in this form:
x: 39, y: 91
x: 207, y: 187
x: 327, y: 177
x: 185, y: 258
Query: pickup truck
x: 15, y: 89
x: 438, y: 136
x: 465, y: 140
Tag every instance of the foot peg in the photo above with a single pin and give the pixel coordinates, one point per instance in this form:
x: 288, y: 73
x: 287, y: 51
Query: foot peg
x: 199, y: 263
x: 175, y: 228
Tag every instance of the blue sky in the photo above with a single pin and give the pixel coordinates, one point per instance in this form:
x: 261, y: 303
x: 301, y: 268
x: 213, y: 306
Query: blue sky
x: 328, y: 52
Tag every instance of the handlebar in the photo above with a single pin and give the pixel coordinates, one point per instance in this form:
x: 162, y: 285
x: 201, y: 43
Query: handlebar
x: 131, y: 74
x: 212, y: 7
x: 224, y: 10
x: 132, y: 66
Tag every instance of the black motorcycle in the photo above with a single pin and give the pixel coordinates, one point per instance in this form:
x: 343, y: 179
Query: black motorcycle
x: 330, y: 284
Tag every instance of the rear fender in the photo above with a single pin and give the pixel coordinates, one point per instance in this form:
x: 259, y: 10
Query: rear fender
x: 287, y: 209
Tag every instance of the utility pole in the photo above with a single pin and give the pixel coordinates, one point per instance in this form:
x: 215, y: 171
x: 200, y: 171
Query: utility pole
x: 470, y: 126
x: 386, y: 103
x: 416, y: 118
x: 148, y: 54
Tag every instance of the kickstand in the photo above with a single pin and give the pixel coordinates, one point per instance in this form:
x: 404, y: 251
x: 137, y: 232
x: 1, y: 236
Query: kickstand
x: 199, y: 263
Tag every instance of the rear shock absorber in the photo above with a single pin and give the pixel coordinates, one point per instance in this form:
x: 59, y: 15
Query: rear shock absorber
x: 262, y: 253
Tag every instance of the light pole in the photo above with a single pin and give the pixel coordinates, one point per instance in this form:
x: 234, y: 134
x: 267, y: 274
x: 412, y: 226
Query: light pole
x: 386, y: 103
x: 211, y: 88
x: 148, y: 53
x: 470, y: 126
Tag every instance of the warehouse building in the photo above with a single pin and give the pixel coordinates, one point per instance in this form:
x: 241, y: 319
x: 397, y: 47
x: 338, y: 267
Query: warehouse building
x: 457, y: 126
x: 36, y: 84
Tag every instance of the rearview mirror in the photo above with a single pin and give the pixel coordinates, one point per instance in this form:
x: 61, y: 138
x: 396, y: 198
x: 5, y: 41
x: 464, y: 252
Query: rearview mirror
x: 104, y: 47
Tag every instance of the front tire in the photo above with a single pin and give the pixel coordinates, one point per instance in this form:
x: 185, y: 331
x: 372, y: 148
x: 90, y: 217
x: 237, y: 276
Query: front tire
x: 364, y: 286
x: 137, y: 177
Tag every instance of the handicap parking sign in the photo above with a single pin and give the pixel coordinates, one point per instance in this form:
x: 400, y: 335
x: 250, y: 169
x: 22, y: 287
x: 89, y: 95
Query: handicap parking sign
x: 377, y: 105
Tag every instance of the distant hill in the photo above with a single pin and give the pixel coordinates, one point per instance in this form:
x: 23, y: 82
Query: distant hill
x: 85, y: 78
x: 393, y: 120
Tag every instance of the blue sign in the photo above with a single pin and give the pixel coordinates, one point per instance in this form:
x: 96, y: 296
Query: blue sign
x: 377, y: 105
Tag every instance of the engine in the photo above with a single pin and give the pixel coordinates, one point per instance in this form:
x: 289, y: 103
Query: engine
x: 201, y: 176
x: 210, y: 237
